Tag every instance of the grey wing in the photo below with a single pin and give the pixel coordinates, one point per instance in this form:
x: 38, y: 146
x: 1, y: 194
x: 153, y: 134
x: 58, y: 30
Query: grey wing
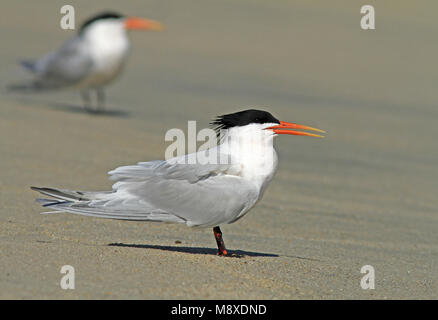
x: 168, y: 191
x: 64, y: 67
x: 202, y: 195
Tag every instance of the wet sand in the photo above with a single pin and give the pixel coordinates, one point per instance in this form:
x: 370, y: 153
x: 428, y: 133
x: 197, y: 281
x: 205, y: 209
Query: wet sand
x: 364, y: 195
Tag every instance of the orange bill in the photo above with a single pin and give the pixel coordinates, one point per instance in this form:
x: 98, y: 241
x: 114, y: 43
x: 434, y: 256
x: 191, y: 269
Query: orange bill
x: 134, y: 23
x: 284, y: 128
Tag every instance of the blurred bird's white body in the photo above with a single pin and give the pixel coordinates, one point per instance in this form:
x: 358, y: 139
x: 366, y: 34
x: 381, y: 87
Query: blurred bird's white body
x: 107, y: 45
x: 90, y: 60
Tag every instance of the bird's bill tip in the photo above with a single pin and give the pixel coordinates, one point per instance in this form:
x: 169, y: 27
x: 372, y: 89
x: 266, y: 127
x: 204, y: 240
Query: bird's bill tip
x: 284, y: 128
x: 135, y: 23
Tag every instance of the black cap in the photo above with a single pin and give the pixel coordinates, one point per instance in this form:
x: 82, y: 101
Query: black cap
x: 100, y: 16
x: 243, y: 118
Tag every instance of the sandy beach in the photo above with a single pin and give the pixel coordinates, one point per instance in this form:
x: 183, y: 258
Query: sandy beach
x: 364, y: 195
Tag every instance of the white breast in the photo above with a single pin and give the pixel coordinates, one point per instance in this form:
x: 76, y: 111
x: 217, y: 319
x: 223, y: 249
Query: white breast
x: 252, y: 148
x: 108, y: 46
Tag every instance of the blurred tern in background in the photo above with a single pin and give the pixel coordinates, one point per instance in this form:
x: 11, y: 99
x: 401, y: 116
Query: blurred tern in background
x: 201, y: 195
x: 88, y: 61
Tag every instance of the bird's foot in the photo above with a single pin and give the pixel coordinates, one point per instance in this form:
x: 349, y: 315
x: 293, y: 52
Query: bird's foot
x: 222, y: 253
x: 220, y: 242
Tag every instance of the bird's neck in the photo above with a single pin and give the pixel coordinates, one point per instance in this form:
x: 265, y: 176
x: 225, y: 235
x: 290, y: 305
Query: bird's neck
x: 107, y: 40
x: 252, y: 149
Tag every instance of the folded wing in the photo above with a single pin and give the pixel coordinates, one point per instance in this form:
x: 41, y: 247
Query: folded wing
x: 169, y: 191
x: 65, y: 67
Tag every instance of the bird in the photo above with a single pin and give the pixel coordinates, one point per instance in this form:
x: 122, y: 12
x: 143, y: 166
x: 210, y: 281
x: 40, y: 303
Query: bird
x: 89, y: 60
x: 184, y: 190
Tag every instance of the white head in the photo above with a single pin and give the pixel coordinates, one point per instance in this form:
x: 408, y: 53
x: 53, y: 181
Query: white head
x: 111, y: 24
x: 249, y: 123
x: 248, y: 137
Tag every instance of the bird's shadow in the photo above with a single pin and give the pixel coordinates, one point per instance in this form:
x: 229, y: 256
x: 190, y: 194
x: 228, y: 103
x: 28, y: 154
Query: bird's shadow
x: 72, y: 108
x: 196, y: 250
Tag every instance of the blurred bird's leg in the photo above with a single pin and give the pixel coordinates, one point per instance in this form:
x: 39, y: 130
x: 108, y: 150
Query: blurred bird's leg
x: 100, y: 94
x: 220, y: 242
x: 85, y: 94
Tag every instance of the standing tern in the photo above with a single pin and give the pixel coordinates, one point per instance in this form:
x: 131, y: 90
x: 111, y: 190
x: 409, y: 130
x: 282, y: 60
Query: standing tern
x: 88, y: 61
x: 181, y: 190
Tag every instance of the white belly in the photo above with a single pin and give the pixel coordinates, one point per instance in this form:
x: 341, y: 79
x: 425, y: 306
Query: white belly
x: 108, y: 48
x: 103, y: 73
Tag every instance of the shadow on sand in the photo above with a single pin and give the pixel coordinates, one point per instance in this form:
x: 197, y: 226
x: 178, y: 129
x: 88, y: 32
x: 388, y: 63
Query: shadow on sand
x: 80, y: 109
x: 196, y: 250
x: 73, y: 108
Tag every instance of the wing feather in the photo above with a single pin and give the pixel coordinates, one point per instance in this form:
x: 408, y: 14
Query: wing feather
x: 170, y: 191
x: 57, y: 69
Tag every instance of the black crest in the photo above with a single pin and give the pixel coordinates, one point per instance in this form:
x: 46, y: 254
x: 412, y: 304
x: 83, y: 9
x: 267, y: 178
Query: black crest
x: 243, y: 118
x: 100, y: 16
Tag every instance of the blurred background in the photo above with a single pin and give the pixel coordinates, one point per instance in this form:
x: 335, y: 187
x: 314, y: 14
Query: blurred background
x: 366, y: 194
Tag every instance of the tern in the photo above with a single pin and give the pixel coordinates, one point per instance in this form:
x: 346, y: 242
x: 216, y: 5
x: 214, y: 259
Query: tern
x: 88, y: 61
x: 184, y: 190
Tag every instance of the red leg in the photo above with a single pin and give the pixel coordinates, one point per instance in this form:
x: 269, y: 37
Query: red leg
x: 220, y: 242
